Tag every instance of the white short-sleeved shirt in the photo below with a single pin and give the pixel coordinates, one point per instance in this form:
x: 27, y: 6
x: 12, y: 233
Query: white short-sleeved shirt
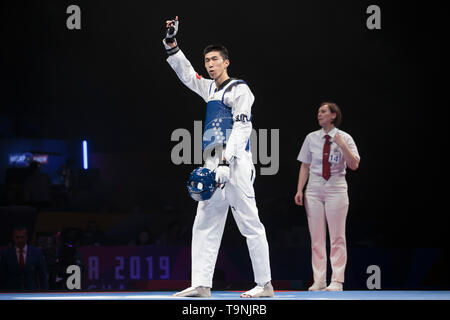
x: 312, y: 151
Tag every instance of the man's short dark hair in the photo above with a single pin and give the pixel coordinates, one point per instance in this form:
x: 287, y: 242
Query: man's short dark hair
x: 217, y: 47
x: 19, y: 227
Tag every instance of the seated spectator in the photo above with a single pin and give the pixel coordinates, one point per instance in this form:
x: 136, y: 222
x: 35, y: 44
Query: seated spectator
x: 143, y: 238
x: 176, y: 235
x: 67, y: 254
x: 92, y: 236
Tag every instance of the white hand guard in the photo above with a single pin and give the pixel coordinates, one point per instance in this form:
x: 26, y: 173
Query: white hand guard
x: 222, y: 174
x: 169, y: 40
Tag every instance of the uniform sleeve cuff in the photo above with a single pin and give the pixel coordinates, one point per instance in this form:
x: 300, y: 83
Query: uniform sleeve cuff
x: 171, y: 51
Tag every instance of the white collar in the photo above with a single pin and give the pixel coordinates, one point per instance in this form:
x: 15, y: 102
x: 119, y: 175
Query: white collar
x: 332, y: 132
x: 24, y: 248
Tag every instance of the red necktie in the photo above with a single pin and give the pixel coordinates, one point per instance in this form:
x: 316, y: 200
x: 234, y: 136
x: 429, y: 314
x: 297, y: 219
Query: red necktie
x: 21, y: 261
x: 326, y: 171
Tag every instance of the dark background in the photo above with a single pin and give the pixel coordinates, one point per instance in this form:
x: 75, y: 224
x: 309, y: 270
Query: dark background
x: 109, y: 83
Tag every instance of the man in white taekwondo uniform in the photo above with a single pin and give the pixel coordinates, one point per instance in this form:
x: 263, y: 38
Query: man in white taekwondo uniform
x: 227, y: 124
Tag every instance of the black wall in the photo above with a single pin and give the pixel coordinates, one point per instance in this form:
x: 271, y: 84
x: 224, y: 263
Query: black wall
x: 109, y: 83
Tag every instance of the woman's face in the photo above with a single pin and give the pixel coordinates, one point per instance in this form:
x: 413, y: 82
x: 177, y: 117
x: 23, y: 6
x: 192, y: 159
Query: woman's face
x: 325, y: 116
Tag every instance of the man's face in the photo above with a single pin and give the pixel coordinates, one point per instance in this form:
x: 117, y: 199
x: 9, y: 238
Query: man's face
x: 20, y: 238
x: 215, y: 65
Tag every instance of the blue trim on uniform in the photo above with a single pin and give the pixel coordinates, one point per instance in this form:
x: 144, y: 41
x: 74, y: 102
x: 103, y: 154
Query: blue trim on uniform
x: 210, y: 87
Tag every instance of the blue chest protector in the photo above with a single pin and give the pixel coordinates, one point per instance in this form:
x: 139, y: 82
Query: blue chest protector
x: 219, y: 121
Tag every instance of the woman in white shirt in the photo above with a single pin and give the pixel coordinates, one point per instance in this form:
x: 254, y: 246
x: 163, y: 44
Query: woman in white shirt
x: 325, y: 155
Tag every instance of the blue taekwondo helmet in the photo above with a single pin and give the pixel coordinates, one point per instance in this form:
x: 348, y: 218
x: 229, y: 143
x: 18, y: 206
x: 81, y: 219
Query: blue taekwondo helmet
x: 202, y: 184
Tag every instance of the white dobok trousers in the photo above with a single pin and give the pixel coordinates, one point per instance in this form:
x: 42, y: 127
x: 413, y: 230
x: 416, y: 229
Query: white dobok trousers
x: 210, y: 221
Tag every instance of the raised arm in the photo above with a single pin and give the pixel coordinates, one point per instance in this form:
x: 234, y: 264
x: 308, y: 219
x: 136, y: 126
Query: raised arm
x: 181, y: 65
